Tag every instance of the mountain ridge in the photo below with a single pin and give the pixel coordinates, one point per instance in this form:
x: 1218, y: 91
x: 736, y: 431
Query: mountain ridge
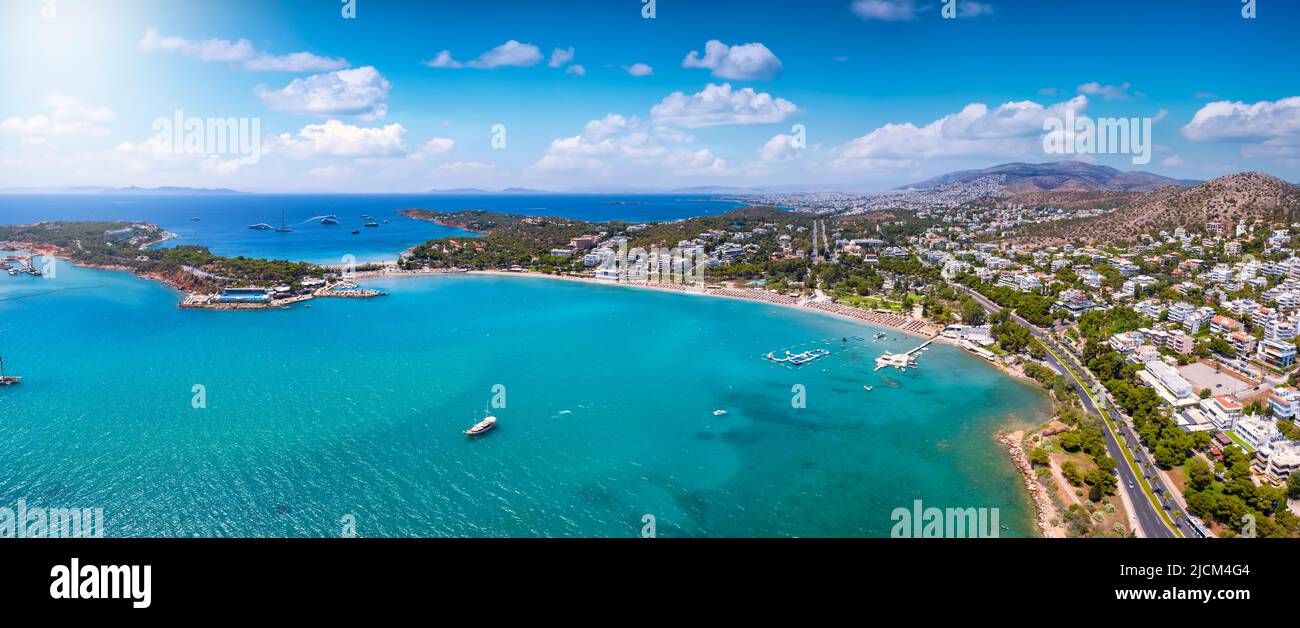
x: 1056, y: 176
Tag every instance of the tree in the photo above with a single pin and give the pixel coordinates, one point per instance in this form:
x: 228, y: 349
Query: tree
x: 1039, y: 456
x: 1071, y: 441
x: 972, y: 313
x: 1012, y: 337
x: 1293, y: 486
x: 1072, y: 473
x: 1101, y: 484
x: 1199, y: 475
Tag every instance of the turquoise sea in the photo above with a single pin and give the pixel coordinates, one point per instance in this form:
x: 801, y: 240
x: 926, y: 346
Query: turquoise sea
x: 357, y: 407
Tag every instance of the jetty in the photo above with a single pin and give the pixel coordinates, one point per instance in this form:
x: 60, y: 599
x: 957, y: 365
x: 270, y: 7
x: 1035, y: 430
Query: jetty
x: 902, y: 361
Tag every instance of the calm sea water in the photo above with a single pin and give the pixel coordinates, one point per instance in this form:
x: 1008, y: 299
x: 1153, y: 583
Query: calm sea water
x: 224, y: 219
x: 357, y: 407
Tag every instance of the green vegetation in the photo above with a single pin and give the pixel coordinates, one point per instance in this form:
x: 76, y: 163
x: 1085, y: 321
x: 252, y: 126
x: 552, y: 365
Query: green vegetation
x: 1036, y: 309
x: 1230, y: 501
x: 85, y: 242
x: 765, y: 244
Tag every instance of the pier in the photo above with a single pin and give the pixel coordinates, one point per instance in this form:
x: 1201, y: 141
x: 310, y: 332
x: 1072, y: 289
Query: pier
x: 902, y: 361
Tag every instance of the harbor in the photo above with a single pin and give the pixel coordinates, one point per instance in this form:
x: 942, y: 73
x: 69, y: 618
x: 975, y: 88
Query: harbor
x: 254, y: 298
x: 19, y: 265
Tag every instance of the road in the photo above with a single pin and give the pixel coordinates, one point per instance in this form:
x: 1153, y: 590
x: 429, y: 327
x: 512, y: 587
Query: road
x: 1150, y: 518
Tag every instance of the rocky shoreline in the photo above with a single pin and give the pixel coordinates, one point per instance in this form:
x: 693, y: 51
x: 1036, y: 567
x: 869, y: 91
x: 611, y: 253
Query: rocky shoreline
x: 1044, y: 509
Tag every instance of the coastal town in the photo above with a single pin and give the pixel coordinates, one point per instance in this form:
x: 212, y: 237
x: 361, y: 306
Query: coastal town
x: 1172, y: 358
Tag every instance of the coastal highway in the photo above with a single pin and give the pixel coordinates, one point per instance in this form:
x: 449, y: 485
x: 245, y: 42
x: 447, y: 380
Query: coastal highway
x: 1152, y: 521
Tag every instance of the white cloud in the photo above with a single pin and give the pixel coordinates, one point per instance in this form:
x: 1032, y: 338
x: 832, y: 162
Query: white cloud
x: 559, y: 57
x: 338, y: 139
x: 1266, y: 129
x: 359, y: 93
x: 576, y: 69
x: 1172, y: 161
x: 509, y: 54
x: 693, y: 162
x: 1014, y: 128
x: 241, y: 51
x: 970, y: 8
x: 438, y: 146
x: 718, y: 105
x: 639, y: 69
x: 615, y: 139
x: 443, y: 60
x: 885, y: 10
x: 780, y: 148
x: 742, y: 62
x: 1238, y: 121
x: 63, y: 115
x: 1107, y: 92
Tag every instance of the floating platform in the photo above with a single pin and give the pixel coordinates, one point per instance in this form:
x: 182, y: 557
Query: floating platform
x: 799, y: 359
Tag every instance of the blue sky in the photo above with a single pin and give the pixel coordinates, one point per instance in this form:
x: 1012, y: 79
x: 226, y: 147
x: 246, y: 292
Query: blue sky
x: 886, y: 91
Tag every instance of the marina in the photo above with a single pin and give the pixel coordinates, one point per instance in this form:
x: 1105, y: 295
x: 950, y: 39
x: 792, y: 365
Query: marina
x: 15, y: 265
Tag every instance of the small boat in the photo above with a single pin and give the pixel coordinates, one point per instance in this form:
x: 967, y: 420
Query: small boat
x: 261, y: 226
x: 7, y: 380
x: 482, y: 426
x: 868, y: 388
x: 719, y: 412
x: 879, y: 335
x: 372, y: 224
x: 329, y: 220
x: 355, y: 232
